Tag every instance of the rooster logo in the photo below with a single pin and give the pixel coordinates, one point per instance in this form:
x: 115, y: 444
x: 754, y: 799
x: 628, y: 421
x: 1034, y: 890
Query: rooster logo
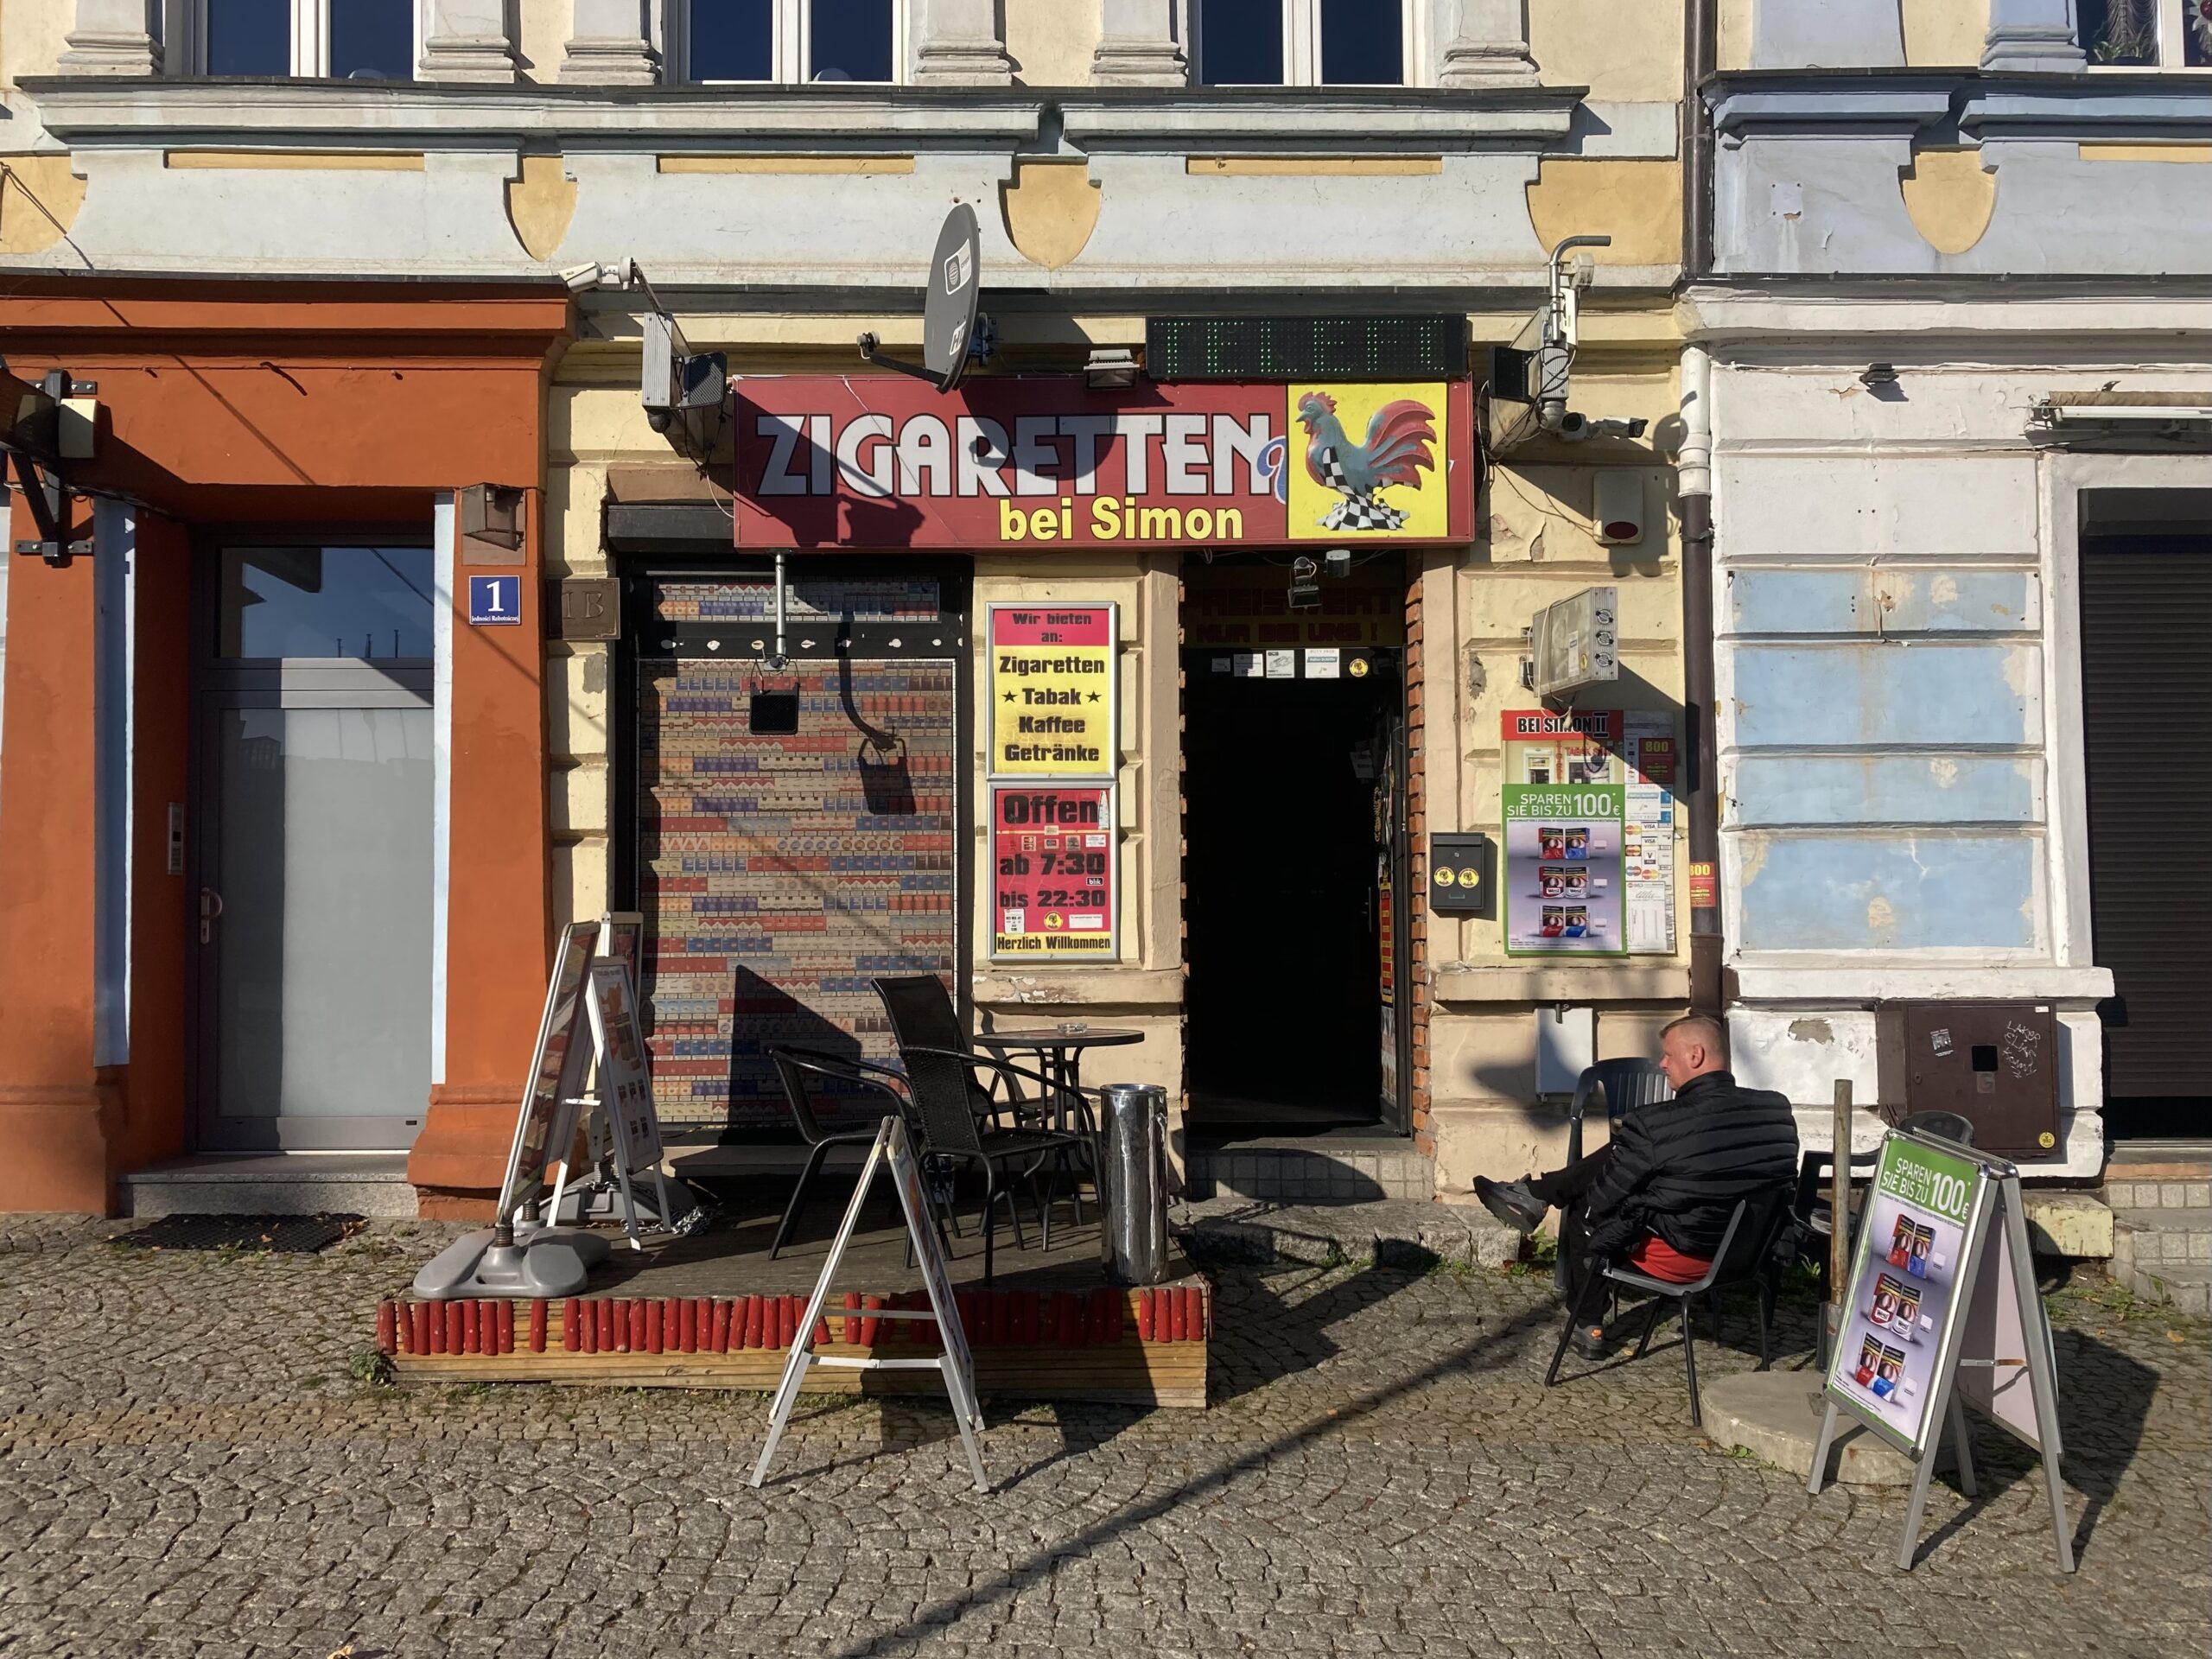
x: 1399, y: 436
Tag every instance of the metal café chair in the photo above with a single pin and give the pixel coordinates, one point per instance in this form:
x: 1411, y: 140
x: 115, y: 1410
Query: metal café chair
x: 922, y: 1016
x: 946, y: 1097
x: 1624, y: 1084
x: 1746, y: 1253
x: 800, y: 1070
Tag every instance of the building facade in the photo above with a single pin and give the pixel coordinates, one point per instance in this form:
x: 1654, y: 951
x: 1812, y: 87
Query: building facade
x: 291, y: 803
x: 1958, y: 397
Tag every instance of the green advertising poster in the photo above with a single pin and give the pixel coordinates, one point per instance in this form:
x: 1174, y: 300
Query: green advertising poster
x: 1905, y: 1293
x: 1564, y: 870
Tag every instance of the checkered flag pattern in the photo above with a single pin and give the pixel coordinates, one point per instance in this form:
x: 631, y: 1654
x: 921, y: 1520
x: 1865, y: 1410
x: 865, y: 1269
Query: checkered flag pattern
x: 1359, y: 509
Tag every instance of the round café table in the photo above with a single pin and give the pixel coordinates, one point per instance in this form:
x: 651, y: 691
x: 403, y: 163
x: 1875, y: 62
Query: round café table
x: 1061, y: 1055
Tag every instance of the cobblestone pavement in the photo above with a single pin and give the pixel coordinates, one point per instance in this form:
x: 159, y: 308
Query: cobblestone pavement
x: 187, y: 1465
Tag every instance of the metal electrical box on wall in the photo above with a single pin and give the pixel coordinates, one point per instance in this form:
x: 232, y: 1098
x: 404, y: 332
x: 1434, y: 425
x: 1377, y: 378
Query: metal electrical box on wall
x: 1995, y: 1064
x: 1460, y: 875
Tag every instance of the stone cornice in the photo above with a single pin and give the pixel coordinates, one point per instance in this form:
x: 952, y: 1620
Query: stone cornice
x: 2063, y: 107
x: 110, y: 111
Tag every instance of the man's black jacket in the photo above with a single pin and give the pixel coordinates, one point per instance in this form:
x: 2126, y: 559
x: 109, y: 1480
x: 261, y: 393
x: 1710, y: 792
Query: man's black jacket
x: 1677, y: 1168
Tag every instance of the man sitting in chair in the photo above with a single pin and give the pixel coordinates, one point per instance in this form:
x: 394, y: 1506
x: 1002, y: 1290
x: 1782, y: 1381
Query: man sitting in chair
x: 1660, y: 1193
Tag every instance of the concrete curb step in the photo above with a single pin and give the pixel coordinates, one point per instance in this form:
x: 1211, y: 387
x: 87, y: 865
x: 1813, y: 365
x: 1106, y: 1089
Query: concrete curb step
x: 1326, y: 1170
x: 300, y: 1184
x: 2165, y: 1255
x: 1399, y: 1234
x: 1775, y: 1416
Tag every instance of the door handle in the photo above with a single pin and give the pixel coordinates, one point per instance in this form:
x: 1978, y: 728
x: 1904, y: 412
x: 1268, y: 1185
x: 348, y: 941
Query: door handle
x: 210, y: 906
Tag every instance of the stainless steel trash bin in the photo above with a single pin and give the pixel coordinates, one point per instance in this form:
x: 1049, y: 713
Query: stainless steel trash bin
x: 1132, y: 1184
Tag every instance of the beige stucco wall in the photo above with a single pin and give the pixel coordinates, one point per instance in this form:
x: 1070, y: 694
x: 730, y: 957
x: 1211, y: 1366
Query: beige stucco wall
x: 1624, y: 51
x: 545, y: 25
x: 1538, y: 546
x: 1050, y: 41
x: 31, y: 37
x: 1944, y: 34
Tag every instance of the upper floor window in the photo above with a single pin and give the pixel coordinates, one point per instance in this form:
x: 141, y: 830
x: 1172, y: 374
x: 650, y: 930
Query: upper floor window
x: 345, y: 39
x: 785, y: 41
x: 2147, y: 34
x: 1301, y: 43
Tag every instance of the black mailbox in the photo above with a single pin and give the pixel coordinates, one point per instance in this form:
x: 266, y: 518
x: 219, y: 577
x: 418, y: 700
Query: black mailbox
x: 1994, y: 1063
x: 1460, y: 875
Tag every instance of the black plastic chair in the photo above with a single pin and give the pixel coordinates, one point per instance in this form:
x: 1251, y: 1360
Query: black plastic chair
x: 1746, y: 1252
x: 799, y: 1068
x: 1624, y: 1084
x: 941, y: 1082
x: 1945, y: 1126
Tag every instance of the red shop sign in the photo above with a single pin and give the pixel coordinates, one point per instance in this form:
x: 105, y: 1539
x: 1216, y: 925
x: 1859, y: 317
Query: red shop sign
x: 830, y: 460
x: 1053, y: 897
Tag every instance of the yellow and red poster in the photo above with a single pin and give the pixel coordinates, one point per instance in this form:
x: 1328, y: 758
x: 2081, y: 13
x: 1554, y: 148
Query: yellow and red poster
x: 1052, y: 873
x: 1052, y: 691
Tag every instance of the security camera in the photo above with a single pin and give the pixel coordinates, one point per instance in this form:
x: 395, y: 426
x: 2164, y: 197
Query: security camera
x: 1337, y: 561
x: 1575, y: 427
x: 581, y: 279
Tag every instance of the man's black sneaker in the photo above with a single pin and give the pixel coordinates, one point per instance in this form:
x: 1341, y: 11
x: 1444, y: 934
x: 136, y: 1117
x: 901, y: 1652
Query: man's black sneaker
x: 1590, y: 1342
x: 1512, y: 1202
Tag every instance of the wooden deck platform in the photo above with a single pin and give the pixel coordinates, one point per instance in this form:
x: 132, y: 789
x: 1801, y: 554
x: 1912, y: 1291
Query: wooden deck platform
x: 711, y: 1310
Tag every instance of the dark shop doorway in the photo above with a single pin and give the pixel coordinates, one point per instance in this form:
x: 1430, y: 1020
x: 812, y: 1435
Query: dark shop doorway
x: 1293, y: 790
x: 2146, y: 602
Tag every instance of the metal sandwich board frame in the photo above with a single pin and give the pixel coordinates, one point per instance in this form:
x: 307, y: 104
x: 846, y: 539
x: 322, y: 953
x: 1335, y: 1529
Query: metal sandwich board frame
x: 956, y: 1364
x: 1995, y: 1248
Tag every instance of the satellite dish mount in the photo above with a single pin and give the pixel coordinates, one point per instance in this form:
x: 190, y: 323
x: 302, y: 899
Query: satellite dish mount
x: 954, y: 334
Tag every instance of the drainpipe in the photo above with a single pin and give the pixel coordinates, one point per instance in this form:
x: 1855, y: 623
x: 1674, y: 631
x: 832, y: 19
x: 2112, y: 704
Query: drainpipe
x: 1701, y: 803
x: 1701, y: 52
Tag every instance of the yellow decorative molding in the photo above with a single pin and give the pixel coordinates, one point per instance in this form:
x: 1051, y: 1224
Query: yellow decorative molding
x: 1051, y: 209
x: 540, y: 204
x: 773, y: 164
x: 40, y: 198
x: 1949, y: 196
x: 294, y: 160
x: 1313, y: 167
x: 2145, y: 152
x: 1638, y: 204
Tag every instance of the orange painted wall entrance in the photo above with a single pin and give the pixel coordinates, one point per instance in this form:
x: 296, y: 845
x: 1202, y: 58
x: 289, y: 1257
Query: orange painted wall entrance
x: 304, y: 406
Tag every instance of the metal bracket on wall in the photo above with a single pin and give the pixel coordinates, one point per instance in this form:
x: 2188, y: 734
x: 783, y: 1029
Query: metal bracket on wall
x: 33, y: 445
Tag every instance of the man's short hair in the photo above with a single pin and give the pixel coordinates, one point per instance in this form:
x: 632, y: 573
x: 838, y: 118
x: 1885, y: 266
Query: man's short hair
x: 1703, y: 1028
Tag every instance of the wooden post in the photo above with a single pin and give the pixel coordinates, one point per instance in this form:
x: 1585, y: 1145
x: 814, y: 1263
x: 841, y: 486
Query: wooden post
x: 1839, y: 1217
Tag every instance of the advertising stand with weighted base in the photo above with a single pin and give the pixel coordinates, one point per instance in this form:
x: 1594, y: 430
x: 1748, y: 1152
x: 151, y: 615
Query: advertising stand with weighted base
x: 958, y: 1367
x: 1943, y: 1313
x: 520, y: 1257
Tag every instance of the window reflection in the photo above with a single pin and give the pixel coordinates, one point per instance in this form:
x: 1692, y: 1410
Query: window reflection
x: 732, y: 39
x: 851, y: 40
x: 373, y: 40
x: 1362, y: 43
x: 1240, y: 42
x: 369, y: 603
x: 249, y: 37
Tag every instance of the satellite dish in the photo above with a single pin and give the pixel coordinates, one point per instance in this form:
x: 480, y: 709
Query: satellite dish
x: 956, y: 285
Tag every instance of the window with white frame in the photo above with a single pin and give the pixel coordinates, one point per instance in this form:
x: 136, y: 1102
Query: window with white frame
x: 2147, y: 33
x: 1302, y: 42
x: 343, y: 40
x: 783, y: 41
